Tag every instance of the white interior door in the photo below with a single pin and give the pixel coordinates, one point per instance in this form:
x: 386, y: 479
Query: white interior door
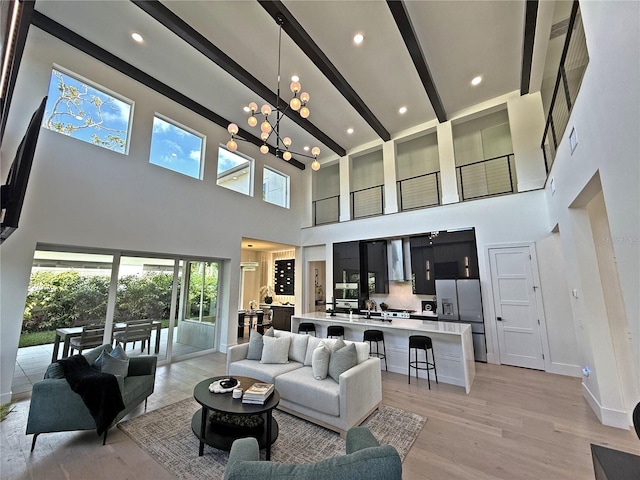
x: 514, y: 300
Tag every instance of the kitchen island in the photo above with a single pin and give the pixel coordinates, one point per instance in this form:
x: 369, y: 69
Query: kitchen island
x: 452, y: 342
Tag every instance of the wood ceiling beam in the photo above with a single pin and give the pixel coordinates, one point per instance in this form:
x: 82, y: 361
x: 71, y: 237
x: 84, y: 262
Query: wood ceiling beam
x: 401, y: 16
x: 183, y: 30
x: 14, y: 59
x: 530, y: 21
x: 61, y: 32
x: 297, y: 33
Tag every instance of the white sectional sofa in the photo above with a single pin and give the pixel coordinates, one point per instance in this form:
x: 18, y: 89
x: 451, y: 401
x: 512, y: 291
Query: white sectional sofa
x: 335, y: 405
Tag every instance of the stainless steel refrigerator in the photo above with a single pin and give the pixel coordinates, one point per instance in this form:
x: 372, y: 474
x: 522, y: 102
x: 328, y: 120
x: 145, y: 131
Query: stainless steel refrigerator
x: 461, y: 301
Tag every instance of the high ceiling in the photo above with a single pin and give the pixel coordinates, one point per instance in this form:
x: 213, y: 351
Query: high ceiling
x: 458, y: 40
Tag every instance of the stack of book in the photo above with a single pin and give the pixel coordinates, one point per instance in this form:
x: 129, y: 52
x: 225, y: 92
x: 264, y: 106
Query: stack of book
x: 257, y: 393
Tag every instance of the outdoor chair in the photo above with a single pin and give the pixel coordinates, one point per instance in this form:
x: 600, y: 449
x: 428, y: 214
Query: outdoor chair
x: 91, y: 337
x: 135, y: 330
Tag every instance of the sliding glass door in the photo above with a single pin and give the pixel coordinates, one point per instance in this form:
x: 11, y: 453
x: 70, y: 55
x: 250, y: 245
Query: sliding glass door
x: 197, y: 323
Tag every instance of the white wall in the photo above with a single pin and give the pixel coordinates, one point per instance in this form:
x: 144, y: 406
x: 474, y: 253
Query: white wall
x: 84, y: 195
x: 607, y: 121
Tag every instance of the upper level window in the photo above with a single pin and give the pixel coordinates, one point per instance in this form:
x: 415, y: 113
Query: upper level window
x: 87, y: 112
x: 176, y: 148
x: 275, y: 188
x: 235, y: 171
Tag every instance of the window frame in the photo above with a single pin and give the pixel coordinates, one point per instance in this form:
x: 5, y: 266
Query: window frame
x: 251, y: 161
x: 101, y: 89
x: 187, y: 129
x: 287, y: 186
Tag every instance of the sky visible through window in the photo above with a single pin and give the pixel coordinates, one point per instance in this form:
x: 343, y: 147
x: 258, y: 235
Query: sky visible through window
x: 174, y: 148
x: 84, y: 112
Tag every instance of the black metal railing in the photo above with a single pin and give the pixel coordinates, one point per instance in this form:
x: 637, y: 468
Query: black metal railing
x: 326, y: 210
x: 486, y: 178
x: 419, y: 192
x: 367, y: 202
x: 573, y: 63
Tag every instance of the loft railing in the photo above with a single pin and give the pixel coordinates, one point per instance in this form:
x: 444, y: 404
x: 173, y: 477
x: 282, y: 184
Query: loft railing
x: 326, y: 210
x: 367, y: 202
x: 573, y: 63
x: 419, y: 192
x: 486, y: 178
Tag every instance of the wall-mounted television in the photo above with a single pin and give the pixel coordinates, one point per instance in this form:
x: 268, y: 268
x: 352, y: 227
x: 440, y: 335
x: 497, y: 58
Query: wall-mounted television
x: 13, y: 191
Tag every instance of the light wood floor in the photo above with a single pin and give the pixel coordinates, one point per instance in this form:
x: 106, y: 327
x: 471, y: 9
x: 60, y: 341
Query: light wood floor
x: 515, y: 424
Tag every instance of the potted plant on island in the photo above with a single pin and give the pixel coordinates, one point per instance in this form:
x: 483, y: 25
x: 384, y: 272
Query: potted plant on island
x: 267, y: 292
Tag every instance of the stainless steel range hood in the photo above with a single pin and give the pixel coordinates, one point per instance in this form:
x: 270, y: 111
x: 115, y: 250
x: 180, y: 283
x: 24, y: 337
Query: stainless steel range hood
x: 399, y: 258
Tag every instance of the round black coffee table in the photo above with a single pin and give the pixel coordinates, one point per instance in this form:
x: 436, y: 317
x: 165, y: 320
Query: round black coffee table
x: 221, y: 436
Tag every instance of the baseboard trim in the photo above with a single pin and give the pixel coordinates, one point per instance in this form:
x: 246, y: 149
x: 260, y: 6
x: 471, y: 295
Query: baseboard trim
x: 565, y: 369
x: 607, y: 416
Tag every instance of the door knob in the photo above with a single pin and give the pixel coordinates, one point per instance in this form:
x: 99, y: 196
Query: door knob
x: 499, y: 319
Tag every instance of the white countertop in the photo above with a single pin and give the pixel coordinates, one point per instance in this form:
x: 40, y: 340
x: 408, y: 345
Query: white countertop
x: 396, y: 323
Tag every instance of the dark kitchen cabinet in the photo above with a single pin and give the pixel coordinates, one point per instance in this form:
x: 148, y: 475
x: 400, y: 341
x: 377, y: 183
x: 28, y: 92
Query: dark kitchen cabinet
x: 346, y: 262
x: 442, y: 255
x: 374, y: 263
x: 281, y: 317
x: 424, y: 281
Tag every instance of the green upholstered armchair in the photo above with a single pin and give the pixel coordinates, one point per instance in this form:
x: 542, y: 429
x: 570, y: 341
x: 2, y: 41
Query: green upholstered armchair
x: 366, y: 459
x: 56, y: 408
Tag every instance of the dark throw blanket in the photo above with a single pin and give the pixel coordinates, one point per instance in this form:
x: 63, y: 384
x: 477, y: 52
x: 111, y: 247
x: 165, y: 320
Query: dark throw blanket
x: 99, y: 391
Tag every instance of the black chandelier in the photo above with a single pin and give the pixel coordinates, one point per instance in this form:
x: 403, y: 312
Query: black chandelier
x: 270, y: 127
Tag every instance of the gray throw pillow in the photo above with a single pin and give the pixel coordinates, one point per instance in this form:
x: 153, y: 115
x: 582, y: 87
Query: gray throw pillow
x: 342, y: 360
x: 298, y: 347
x: 119, y: 353
x: 275, y: 350
x: 256, y: 343
x: 113, y: 365
x: 320, y: 361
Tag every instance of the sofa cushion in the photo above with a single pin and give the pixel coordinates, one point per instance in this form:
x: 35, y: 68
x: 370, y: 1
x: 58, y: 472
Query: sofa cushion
x: 298, y: 347
x: 256, y: 343
x: 298, y: 386
x: 261, y: 371
x: 342, y: 360
x: 362, y: 348
x: 320, y: 361
x: 110, y: 364
x: 312, y: 344
x: 275, y: 350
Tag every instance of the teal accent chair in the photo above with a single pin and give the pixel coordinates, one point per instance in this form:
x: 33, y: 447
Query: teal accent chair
x: 56, y: 408
x: 366, y: 459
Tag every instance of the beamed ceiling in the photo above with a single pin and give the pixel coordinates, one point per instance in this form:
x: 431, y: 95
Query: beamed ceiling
x: 216, y: 56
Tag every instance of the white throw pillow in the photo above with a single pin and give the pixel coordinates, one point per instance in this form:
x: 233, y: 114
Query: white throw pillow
x: 275, y: 350
x: 298, y: 347
x: 320, y: 361
x: 312, y: 344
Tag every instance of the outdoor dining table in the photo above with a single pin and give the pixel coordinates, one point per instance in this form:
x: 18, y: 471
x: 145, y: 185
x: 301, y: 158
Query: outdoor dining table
x: 65, y: 335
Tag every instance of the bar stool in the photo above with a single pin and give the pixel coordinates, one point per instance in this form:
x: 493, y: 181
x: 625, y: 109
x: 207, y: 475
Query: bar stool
x: 422, y: 342
x: 335, y: 331
x: 241, y: 324
x: 376, y: 336
x: 307, y: 327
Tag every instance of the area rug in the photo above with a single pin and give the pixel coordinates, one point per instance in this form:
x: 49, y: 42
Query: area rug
x: 166, y: 435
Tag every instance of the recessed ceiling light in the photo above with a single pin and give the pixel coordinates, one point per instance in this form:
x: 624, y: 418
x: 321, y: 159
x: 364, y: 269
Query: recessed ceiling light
x: 295, y: 78
x: 246, y: 109
x: 476, y: 81
x: 306, y: 148
x: 349, y: 131
x: 358, y: 38
x: 250, y: 245
x: 137, y: 37
x: 403, y: 110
